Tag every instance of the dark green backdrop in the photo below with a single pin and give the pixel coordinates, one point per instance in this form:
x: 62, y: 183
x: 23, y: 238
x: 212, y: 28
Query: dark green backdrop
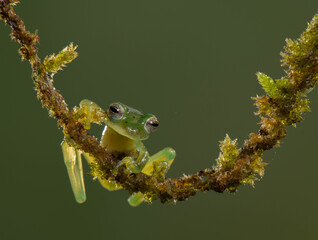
x: 192, y: 64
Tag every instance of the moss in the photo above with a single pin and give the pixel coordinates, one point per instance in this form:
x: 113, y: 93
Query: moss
x: 288, y: 111
x: 278, y: 89
x: 301, y: 58
x: 54, y: 63
x: 228, y: 155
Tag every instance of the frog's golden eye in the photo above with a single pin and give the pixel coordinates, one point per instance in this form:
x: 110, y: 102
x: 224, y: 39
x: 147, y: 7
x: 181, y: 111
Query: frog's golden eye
x: 115, y: 111
x: 151, y: 124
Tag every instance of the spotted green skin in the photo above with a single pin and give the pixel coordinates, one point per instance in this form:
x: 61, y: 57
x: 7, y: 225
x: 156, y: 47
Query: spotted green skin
x: 123, y: 137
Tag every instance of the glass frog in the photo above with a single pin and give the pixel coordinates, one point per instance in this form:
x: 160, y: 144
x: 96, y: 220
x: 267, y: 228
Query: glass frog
x: 125, y: 129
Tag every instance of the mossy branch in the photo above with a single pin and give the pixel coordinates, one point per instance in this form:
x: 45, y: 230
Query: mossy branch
x: 283, y: 105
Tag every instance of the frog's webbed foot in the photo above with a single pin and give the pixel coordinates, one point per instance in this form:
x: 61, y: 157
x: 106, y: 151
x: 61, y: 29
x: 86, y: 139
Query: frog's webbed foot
x: 89, y: 112
x: 106, y: 183
x: 159, y: 164
x: 136, y: 199
x: 73, y: 162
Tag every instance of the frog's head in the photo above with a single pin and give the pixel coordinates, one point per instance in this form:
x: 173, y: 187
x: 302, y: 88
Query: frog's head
x: 130, y: 122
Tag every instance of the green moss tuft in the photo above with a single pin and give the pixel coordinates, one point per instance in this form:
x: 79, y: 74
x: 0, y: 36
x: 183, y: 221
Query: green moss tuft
x: 54, y: 63
x: 229, y: 153
x: 277, y: 89
x: 301, y: 57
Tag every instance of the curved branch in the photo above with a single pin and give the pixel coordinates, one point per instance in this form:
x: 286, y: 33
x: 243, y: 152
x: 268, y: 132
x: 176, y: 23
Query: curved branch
x: 283, y: 106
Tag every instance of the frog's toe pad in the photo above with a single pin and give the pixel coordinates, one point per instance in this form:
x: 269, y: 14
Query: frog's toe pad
x: 136, y: 199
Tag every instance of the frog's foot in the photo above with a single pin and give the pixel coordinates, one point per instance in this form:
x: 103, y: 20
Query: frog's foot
x: 159, y: 164
x: 130, y: 163
x: 89, y: 112
x: 109, y: 184
x: 73, y: 162
x: 106, y: 183
x: 136, y: 199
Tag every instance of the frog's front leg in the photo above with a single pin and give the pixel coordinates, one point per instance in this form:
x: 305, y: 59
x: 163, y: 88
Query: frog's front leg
x: 135, y: 165
x: 73, y: 162
x: 89, y: 112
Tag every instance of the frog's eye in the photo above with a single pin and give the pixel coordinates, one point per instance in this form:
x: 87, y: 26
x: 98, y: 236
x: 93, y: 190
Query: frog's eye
x: 115, y: 111
x: 151, y: 124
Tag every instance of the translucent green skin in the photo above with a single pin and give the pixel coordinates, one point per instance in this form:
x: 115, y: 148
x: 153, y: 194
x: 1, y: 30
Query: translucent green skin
x: 131, y: 125
x: 121, y: 136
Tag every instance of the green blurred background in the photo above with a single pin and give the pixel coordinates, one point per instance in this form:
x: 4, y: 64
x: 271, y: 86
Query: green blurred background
x: 193, y: 65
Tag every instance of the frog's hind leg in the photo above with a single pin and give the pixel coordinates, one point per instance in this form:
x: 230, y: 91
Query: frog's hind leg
x: 88, y: 112
x: 106, y: 183
x: 73, y: 162
x: 159, y: 164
